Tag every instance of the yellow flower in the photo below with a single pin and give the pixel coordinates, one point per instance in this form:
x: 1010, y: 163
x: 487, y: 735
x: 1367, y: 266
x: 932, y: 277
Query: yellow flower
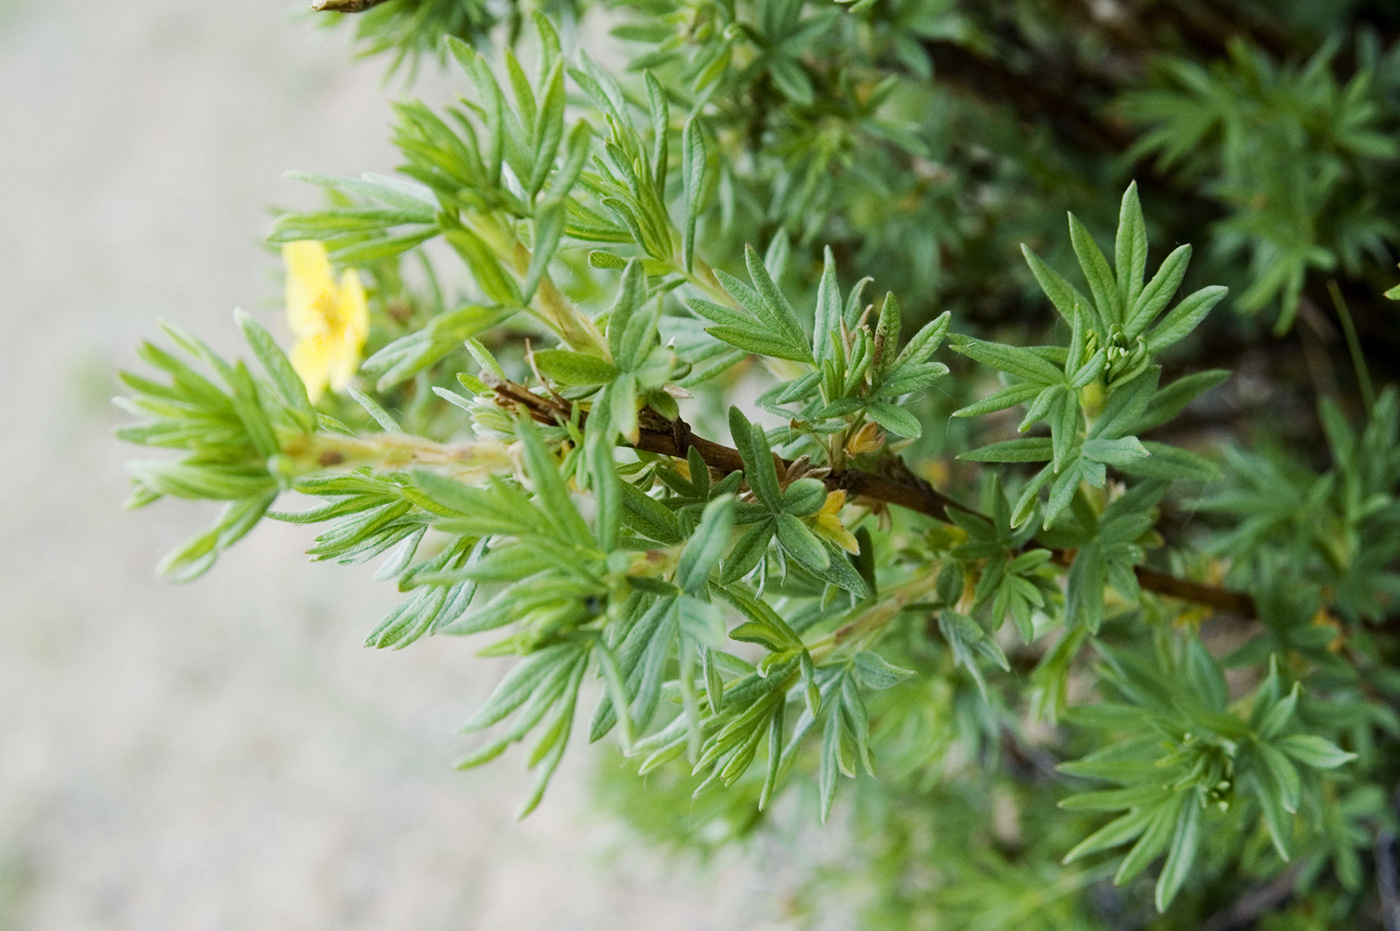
x: 330, y: 321
x: 828, y: 523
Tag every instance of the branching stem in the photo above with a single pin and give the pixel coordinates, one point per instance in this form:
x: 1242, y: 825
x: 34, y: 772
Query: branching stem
x: 673, y: 438
x: 466, y: 461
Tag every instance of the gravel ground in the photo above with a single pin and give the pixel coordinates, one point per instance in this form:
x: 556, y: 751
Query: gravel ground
x: 224, y: 755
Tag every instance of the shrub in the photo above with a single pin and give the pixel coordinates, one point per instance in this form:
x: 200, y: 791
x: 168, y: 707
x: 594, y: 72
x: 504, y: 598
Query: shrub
x: 1125, y: 658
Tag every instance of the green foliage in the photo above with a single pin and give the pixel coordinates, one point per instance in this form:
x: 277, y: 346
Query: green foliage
x: 800, y: 627
x: 1294, y: 151
x: 1175, y: 753
x: 407, y: 30
x: 1102, y: 389
x: 1341, y: 528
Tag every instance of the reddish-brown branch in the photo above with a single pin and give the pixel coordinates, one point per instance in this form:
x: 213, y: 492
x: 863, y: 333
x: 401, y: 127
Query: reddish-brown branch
x: 1222, y: 599
x: 665, y: 437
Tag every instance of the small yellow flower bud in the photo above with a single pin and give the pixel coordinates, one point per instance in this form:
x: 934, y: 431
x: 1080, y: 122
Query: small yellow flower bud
x: 867, y: 439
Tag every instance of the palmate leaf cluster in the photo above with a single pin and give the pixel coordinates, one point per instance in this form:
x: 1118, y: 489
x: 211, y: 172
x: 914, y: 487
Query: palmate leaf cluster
x: 1298, y: 154
x: 620, y: 421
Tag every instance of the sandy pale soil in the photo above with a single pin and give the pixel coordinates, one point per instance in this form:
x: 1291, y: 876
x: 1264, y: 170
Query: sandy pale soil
x: 224, y: 755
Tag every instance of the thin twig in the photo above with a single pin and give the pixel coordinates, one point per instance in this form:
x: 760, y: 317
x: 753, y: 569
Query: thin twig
x: 673, y: 438
x: 1358, y: 358
x: 1223, y: 599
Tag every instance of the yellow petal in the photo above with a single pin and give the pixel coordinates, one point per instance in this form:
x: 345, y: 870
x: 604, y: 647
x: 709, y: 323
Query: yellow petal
x: 349, y: 331
x: 312, y: 363
x: 848, y: 542
x: 310, y: 284
x: 343, y: 362
x: 835, y: 501
x: 828, y: 522
x: 830, y: 526
x: 354, y: 309
x: 308, y: 261
x: 311, y: 312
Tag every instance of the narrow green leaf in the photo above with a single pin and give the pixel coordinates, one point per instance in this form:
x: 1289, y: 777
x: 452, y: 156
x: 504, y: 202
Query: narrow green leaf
x: 1184, y: 318
x: 887, y: 327
x: 1312, y: 750
x: 1029, y: 449
x: 1276, y: 818
x: 1173, y: 398
x: 801, y: 543
x: 1181, y: 856
x: 760, y: 469
x: 551, y: 749
x: 1125, y: 405
x: 1153, y: 841
x: 893, y: 418
x: 279, y: 368
x: 550, y: 490
x: 1158, y: 293
x: 1114, y: 452
x: 599, y: 259
x: 1130, y: 247
x: 1117, y: 832
x: 782, y: 312
x: 1278, y: 716
x: 876, y: 672
x: 547, y: 131
x: 1001, y: 399
x: 648, y: 516
x: 549, y: 227
x: 804, y: 497
x: 924, y: 343
x: 828, y: 314
x: 694, y: 160
x: 830, y: 763
x: 631, y: 327
x: 660, y: 128
x: 1062, y: 294
x: 1168, y: 463
x: 1096, y: 270
x: 748, y: 551
x: 485, y: 267
x: 758, y: 342
x: 523, y: 679
x: 607, y: 491
x: 617, y: 691
x: 714, y: 685
x: 765, y: 625
x: 1011, y: 359
x: 1063, y: 417
x: 380, y: 415
x: 1284, y: 776
x: 574, y: 369
x: 705, y: 547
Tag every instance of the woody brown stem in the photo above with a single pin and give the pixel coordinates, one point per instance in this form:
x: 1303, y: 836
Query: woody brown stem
x: 1223, y: 599
x: 673, y: 438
